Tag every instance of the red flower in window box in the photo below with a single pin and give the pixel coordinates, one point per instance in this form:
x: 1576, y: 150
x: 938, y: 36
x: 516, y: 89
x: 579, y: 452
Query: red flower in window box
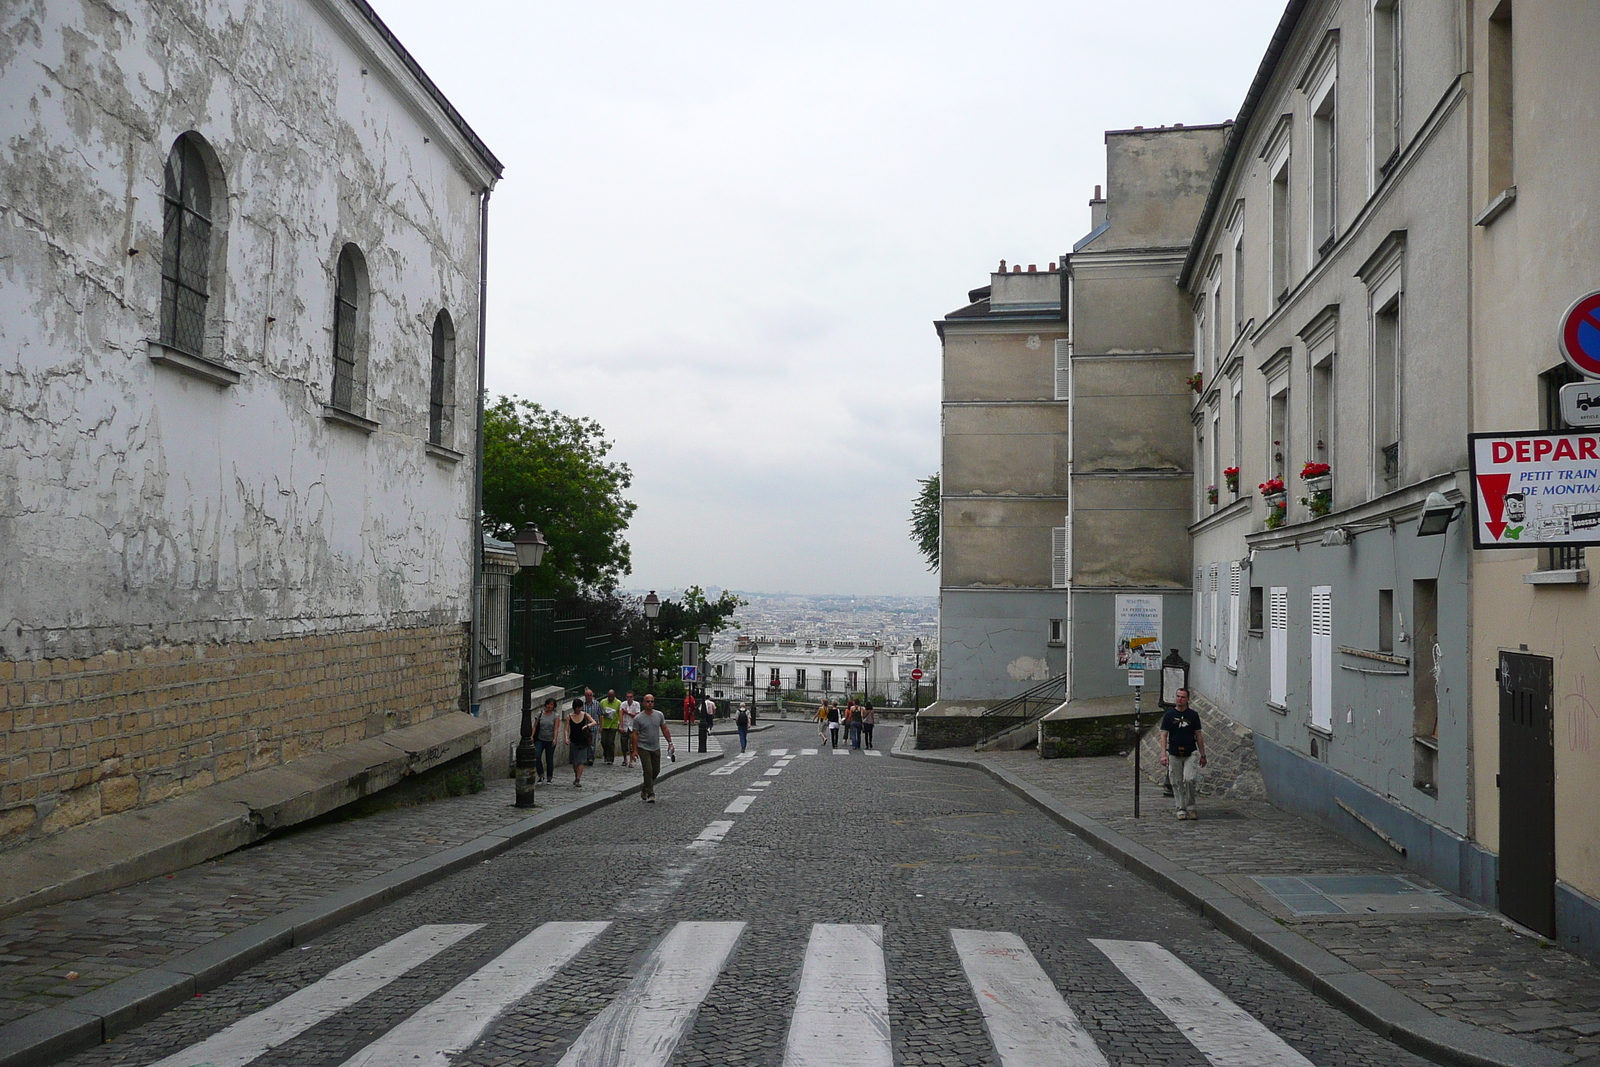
x: 1314, y: 470
x: 1271, y: 486
x: 1231, y: 477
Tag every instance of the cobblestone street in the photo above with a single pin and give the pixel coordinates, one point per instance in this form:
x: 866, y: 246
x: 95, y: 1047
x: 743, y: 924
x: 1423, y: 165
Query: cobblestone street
x: 1468, y: 964
x: 766, y: 909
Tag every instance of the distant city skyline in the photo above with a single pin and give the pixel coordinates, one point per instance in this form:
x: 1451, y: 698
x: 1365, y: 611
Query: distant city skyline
x: 725, y: 231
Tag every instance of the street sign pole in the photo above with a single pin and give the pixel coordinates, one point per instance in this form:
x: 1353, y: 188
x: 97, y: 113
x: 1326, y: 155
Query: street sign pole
x: 1137, y: 690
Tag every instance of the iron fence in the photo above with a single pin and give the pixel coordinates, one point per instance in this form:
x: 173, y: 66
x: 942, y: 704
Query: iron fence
x: 565, y: 653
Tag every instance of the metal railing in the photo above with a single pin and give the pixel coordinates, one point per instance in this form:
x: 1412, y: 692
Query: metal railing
x: 1027, y: 706
x: 565, y: 653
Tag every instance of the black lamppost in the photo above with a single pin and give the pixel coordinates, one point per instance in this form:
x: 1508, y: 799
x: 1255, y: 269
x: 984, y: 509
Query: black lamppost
x: 531, y: 547
x: 652, y: 609
x: 916, y: 682
x: 755, y: 651
x: 705, y: 692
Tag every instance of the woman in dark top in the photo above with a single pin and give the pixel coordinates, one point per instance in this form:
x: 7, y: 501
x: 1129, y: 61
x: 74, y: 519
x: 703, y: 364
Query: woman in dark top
x: 580, y: 739
x: 869, y: 719
x: 545, y: 727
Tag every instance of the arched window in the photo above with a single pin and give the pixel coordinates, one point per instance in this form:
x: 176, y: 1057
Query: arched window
x: 349, y: 332
x: 441, y: 379
x: 185, y: 248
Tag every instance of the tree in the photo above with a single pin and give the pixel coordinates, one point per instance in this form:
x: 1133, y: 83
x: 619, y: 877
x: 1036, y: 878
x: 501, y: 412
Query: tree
x: 550, y: 469
x: 680, y: 620
x: 925, y: 520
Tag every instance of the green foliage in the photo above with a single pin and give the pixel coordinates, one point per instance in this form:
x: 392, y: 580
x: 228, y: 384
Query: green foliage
x: 925, y: 520
x: 550, y: 469
x: 680, y: 620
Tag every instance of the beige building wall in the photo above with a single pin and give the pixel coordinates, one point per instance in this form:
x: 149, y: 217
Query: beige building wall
x: 1532, y: 257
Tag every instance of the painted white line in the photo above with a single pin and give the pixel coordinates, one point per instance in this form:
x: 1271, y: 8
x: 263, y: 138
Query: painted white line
x: 740, y: 804
x: 758, y: 785
x: 643, y: 1025
x: 779, y: 752
x: 841, y: 752
x: 808, y: 752
x: 253, y: 1036
x: 736, y: 764
x: 772, y: 770
x: 714, y: 832
x: 841, y: 1014
x: 1030, y: 1023
x: 1224, y: 1033
x: 452, y: 1023
x: 872, y: 752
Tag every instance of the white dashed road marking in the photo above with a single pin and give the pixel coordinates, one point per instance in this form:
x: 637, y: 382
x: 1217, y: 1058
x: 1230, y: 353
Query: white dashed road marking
x: 841, y: 752
x: 643, y: 1026
x: 740, y: 804
x: 251, y: 1037
x: 808, y: 752
x: 841, y: 1014
x: 772, y: 770
x: 1224, y: 1033
x: 713, y: 833
x: 779, y: 752
x: 453, y: 1022
x: 1030, y: 1023
x: 872, y: 752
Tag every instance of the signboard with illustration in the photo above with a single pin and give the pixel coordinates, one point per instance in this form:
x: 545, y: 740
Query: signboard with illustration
x: 1138, y: 631
x: 1535, y: 489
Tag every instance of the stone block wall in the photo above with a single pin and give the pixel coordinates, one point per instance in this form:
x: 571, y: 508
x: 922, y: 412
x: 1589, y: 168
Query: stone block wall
x: 1098, y: 735
x: 82, y: 738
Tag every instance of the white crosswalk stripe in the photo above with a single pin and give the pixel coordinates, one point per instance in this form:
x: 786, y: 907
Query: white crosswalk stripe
x: 841, y: 752
x: 1223, y: 1032
x: 779, y: 752
x: 872, y: 752
x: 453, y: 1022
x: 808, y: 752
x: 736, y: 764
x: 1028, y: 1020
x: 251, y: 1037
x: 643, y: 1026
x: 841, y: 1014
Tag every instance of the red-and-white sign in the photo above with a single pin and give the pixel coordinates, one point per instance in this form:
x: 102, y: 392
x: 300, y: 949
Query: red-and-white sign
x: 916, y: 675
x: 1580, y: 335
x: 1535, y: 488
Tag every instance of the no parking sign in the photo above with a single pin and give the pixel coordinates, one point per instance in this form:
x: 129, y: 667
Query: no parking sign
x: 1580, y: 335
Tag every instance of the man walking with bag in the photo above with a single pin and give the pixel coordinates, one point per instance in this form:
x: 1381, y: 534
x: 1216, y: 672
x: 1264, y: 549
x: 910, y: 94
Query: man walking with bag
x: 1183, y: 752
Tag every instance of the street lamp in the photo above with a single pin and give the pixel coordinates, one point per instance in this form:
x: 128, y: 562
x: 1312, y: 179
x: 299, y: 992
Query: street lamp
x: 652, y: 609
x: 1437, y: 515
x: 531, y: 547
x: 916, y: 682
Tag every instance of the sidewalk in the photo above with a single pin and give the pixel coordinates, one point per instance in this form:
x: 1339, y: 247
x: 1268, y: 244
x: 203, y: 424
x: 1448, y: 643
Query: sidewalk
x: 1444, y: 953
x: 286, y: 889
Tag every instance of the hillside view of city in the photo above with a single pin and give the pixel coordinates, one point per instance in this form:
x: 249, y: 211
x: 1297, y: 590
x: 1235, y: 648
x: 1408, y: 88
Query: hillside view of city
x: 895, y: 621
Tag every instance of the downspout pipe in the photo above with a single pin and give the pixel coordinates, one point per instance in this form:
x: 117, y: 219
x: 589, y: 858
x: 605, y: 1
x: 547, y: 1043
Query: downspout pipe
x: 476, y: 526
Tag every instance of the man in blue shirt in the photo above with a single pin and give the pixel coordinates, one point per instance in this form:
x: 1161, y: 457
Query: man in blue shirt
x: 1183, y: 752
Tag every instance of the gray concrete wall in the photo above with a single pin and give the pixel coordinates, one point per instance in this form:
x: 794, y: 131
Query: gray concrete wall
x: 1015, y: 361
x: 993, y: 645
x: 1005, y: 449
x: 1130, y: 531
x: 1156, y: 184
x: 1094, y: 619
x: 997, y: 542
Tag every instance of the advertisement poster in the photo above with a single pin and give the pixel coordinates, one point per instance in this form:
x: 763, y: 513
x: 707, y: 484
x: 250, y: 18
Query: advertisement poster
x: 1138, y: 631
x: 1535, y: 489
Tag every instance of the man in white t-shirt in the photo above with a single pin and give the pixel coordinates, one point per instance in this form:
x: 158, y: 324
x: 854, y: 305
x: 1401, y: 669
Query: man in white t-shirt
x: 630, y: 711
x: 648, y: 730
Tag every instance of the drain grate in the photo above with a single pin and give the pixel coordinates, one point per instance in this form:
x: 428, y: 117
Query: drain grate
x: 1355, y: 894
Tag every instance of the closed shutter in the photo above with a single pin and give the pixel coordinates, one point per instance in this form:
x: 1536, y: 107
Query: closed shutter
x: 1058, y: 557
x: 1211, y: 606
x: 1063, y: 371
x: 1322, y: 657
x: 1278, y: 640
x: 1235, y: 581
x: 1197, y: 623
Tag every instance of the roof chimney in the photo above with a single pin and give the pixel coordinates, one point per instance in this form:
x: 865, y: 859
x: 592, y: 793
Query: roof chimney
x: 1097, y: 210
x: 1033, y: 268
x: 1016, y: 268
x: 1002, y: 266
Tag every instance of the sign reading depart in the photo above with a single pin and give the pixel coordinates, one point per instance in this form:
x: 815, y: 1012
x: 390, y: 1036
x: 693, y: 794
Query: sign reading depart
x: 1535, y: 488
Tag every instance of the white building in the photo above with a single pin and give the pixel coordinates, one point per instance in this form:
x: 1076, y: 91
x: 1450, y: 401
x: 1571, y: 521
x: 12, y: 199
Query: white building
x: 240, y: 351
x: 819, y: 669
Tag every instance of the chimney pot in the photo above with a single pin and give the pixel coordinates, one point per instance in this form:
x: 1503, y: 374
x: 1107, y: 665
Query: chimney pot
x: 1002, y: 266
x: 1177, y: 125
x: 1052, y: 266
x: 1033, y: 268
x: 1097, y: 195
x: 1138, y: 127
x: 1016, y: 268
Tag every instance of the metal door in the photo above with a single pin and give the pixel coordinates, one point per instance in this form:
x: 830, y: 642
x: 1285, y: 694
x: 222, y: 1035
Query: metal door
x: 1527, y: 792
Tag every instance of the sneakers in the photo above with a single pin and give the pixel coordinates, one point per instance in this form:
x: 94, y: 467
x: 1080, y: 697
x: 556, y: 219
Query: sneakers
x: 1193, y: 815
x: 649, y: 800
x: 1182, y: 814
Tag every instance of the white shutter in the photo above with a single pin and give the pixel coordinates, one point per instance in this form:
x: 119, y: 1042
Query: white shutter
x: 1198, y: 621
x: 1322, y: 657
x: 1063, y: 371
x: 1058, y: 557
x: 1278, y: 640
x: 1235, y: 581
x: 1211, y: 606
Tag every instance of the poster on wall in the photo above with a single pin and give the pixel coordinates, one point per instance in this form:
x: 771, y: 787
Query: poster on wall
x: 1138, y: 631
x: 1535, y: 488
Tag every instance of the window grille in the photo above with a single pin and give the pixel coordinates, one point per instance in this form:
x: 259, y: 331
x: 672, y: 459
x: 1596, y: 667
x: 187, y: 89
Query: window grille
x: 442, y: 369
x: 346, y: 309
x: 185, y: 249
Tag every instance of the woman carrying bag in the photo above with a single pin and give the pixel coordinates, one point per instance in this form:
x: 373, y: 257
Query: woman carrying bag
x: 579, y: 727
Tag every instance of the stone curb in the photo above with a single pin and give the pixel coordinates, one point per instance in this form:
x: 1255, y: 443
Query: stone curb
x: 1381, y: 1008
x: 96, y: 1017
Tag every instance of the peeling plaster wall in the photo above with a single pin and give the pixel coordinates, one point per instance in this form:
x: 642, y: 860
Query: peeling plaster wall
x: 142, y: 506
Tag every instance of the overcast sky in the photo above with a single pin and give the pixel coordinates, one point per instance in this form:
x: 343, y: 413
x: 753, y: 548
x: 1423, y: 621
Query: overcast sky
x: 725, y: 229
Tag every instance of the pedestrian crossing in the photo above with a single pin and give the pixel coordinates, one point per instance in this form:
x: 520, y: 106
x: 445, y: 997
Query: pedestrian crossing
x: 840, y: 1016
